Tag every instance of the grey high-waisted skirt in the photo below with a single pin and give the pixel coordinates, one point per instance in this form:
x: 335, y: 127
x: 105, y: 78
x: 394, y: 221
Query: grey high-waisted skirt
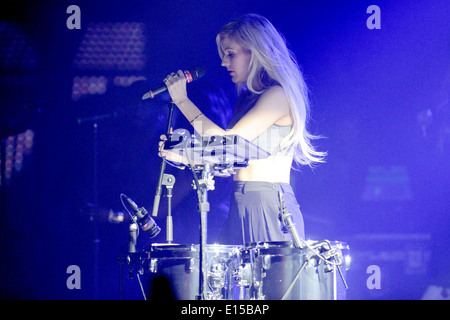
x: 255, y: 213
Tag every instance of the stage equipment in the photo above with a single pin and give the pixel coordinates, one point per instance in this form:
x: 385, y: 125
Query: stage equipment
x: 286, y: 218
x: 169, y: 181
x: 257, y: 271
x: 209, y: 156
x: 224, y: 153
x: 180, y: 265
x: 193, y: 74
x: 282, y: 271
x: 297, y: 269
x: 147, y: 224
x: 162, y: 167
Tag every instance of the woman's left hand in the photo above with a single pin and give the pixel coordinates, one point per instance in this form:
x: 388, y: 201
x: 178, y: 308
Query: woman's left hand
x: 169, y: 155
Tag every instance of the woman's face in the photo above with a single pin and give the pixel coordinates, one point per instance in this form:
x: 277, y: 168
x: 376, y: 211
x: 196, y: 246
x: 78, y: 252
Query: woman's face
x: 236, y: 59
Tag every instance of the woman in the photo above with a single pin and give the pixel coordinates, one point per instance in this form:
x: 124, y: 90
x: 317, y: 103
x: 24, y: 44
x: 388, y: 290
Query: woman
x: 272, y: 111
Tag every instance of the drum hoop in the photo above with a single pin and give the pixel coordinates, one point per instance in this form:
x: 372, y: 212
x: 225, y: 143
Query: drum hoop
x: 177, y: 251
x: 269, y: 244
x: 273, y: 248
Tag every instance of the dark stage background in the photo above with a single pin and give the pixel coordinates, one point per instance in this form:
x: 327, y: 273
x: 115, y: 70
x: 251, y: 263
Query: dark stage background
x: 76, y: 135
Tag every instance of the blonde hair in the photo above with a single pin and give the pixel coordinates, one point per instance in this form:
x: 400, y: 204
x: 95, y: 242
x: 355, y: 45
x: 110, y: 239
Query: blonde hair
x: 273, y: 63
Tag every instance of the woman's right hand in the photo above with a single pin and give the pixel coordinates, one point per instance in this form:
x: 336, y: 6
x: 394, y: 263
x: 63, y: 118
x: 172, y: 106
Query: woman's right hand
x: 176, y: 85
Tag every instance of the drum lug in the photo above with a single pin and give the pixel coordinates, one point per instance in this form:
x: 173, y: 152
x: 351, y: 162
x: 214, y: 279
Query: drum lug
x: 189, y: 266
x: 153, y: 267
x: 266, y: 262
x: 216, y: 276
x: 243, y: 275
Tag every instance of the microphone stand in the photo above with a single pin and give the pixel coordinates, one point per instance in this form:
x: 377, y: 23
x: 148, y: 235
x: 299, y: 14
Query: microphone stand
x: 286, y: 217
x: 96, y: 242
x: 132, y: 242
x: 162, y: 167
x: 3, y: 173
x: 94, y: 219
x: 169, y: 181
x: 133, y: 258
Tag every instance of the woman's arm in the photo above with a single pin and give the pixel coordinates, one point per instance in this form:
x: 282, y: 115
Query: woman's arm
x: 271, y: 107
x: 176, y: 85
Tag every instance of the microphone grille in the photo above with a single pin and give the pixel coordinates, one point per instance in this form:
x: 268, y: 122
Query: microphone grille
x: 197, y: 72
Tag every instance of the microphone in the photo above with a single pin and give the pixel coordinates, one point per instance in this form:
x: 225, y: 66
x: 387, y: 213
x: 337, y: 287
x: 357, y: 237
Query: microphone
x: 193, y: 74
x: 145, y: 221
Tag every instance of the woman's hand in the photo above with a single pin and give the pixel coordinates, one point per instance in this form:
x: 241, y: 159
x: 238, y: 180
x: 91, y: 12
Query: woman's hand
x: 170, y: 155
x: 161, y: 152
x: 176, y: 85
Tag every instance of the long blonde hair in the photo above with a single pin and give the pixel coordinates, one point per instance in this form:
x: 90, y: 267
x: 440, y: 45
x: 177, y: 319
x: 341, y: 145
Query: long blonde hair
x: 272, y: 62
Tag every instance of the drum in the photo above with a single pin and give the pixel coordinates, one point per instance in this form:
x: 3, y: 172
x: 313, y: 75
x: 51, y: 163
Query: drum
x: 173, y: 271
x: 279, y: 271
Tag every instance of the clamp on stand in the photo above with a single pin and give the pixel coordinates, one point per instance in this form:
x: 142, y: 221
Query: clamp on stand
x: 328, y: 255
x: 320, y: 251
x: 133, y: 231
x: 168, y: 181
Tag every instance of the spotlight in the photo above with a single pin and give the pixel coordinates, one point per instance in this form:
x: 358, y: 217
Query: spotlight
x: 17, y: 52
x: 112, y: 46
x: 16, y: 147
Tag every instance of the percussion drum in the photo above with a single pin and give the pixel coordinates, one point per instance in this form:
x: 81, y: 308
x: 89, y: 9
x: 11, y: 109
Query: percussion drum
x: 177, y: 268
x: 279, y: 271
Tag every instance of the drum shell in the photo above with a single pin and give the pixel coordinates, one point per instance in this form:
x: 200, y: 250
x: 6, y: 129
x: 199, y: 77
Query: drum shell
x: 275, y: 265
x: 174, y: 271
